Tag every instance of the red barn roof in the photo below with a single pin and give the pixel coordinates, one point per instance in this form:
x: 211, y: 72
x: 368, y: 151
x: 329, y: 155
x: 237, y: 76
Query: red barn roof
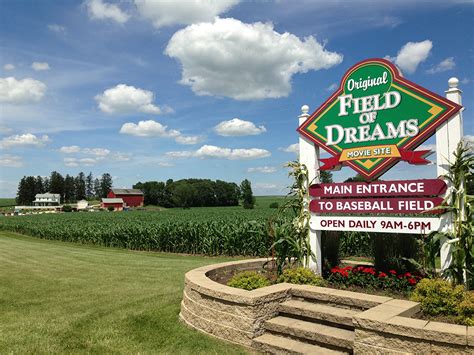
x: 127, y: 192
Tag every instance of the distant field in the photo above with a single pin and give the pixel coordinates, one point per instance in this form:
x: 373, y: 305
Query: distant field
x: 206, y: 230
x: 63, y: 298
x: 7, y: 202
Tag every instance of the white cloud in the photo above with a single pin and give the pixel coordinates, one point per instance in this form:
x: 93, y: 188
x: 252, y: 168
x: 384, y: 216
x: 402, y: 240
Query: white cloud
x: 442, y: 66
x: 122, y: 99
x: 465, y: 81
x: 292, y: 148
x: 165, y: 164
x: 332, y: 87
x: 99, y: 10
x: 5, y: 130
x: 21, y: 91
x: 188, y: 140
x: 148, y: 128
x: 244, y: 61
x: 152, y: 128
x: 57, y: 28
x: 11, y: 161
x: 211, y: 151
x: 431, y: 147
x: 182, y: 12
x: 8, y: 66
x: 412, y: 54
x: 40, y: 66
x: 118, y: 156
x: 262, y: 169
x: 27, y: 139
x: 70, y: 149
x: 98, y: 152
x: 469, y: 141
x: 73, y: 162
x: 238, y: 127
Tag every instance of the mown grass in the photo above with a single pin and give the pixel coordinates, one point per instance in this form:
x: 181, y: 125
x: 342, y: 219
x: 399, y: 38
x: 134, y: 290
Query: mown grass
x: 7, y: 202
x: 58, y: 297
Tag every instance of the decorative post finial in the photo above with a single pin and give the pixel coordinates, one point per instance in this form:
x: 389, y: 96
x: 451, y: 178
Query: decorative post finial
x: 453, y: 83
x: 304, y: 109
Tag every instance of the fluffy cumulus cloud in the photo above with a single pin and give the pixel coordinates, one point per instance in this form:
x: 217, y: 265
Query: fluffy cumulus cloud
x: 211, y: 151
x: 412, y: 54
x: 152, y: 128
x: 182, y: 12
x: 123, y: 99
x: 21, y: 91
x: 442, y: 66
x: 24, y: 140
x: 8, y: 67
x: 238, y: 127
x: 262, y: 169
x: 11, y: 161
x: 244, y: 61
x: 40, y: 66
x: 292, y: 148
x: 99, y: 10
x: 73, y: 162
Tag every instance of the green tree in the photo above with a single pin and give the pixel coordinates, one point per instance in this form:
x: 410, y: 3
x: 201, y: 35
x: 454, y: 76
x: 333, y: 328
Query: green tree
x: 69, y: 189
x: 97, y: 191
x: 80, y: 186
x: 89, y: 186
x: 325, y: 176
x: 39, y: 186
x: 105, y: 184
x: 56, y: 184
x: 248, y: 201
x: 184, y: 195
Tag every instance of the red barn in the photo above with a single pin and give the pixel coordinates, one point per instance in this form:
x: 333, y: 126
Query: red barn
x: 131, y: 197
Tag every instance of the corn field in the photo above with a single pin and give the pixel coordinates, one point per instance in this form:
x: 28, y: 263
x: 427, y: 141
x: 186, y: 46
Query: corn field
x: 210, y: 231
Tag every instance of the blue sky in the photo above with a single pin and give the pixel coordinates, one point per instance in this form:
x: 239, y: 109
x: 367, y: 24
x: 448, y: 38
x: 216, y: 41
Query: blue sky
x: 151, y: 90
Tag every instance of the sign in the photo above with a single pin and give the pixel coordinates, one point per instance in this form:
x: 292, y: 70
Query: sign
x: 375, y: 119
x: 380, y: 224
x: 377, y: 205
x: 422, y: 187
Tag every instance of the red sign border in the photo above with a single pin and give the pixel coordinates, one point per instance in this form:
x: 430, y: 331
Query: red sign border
x: 412, y: 144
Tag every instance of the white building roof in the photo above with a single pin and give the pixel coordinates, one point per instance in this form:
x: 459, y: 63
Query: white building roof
x: 112, y: 200
x: 47, y: 195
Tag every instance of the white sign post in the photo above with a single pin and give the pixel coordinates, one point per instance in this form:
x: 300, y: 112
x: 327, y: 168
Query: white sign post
x: 309, y: 156
x: 448, y: 137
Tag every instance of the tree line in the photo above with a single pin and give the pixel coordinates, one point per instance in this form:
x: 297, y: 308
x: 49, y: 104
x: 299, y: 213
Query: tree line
x: 71, y: 189
x: 188, y: 193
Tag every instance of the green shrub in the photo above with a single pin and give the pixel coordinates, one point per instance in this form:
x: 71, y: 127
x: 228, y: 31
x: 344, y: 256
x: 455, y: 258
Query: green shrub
x: 438, y: 297
x: 67, y: 208
x: 465, y: 309
x: 248, y: 280
x: 301, y: 276
x: 274, y: 205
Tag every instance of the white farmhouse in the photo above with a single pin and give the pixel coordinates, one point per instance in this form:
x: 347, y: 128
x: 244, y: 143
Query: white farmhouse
x: 47, y: 199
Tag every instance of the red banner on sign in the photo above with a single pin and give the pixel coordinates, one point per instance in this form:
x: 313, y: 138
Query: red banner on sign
x: 377, y: 205
x: 423, y: 187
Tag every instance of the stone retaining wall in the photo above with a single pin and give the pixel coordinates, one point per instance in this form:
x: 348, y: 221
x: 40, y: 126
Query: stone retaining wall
x: 383, y: 325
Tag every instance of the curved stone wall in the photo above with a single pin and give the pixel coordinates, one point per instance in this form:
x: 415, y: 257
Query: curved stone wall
x: 383, y: 325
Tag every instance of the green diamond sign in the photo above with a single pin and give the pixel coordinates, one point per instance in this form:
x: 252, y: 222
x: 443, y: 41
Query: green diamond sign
x: 375, y: 119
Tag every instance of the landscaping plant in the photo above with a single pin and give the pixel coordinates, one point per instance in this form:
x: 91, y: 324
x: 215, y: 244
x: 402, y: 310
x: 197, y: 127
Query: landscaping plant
x: 368, y: 277
x: 439, y: 298
x: 460, y: 205
x: 301, y: 276
x: 289, y: 229
x: 248, y: 280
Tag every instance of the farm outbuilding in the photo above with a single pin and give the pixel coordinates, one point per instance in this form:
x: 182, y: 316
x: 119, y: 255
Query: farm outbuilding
x: 116, y: 203
x: 131, y: 197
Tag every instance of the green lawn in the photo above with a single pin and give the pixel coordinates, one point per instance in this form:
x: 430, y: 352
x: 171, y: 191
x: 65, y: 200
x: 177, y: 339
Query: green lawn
x: 58, y: 297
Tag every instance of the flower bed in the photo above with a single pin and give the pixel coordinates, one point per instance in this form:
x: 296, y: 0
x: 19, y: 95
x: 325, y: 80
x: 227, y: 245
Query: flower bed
x: 369, y: 277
